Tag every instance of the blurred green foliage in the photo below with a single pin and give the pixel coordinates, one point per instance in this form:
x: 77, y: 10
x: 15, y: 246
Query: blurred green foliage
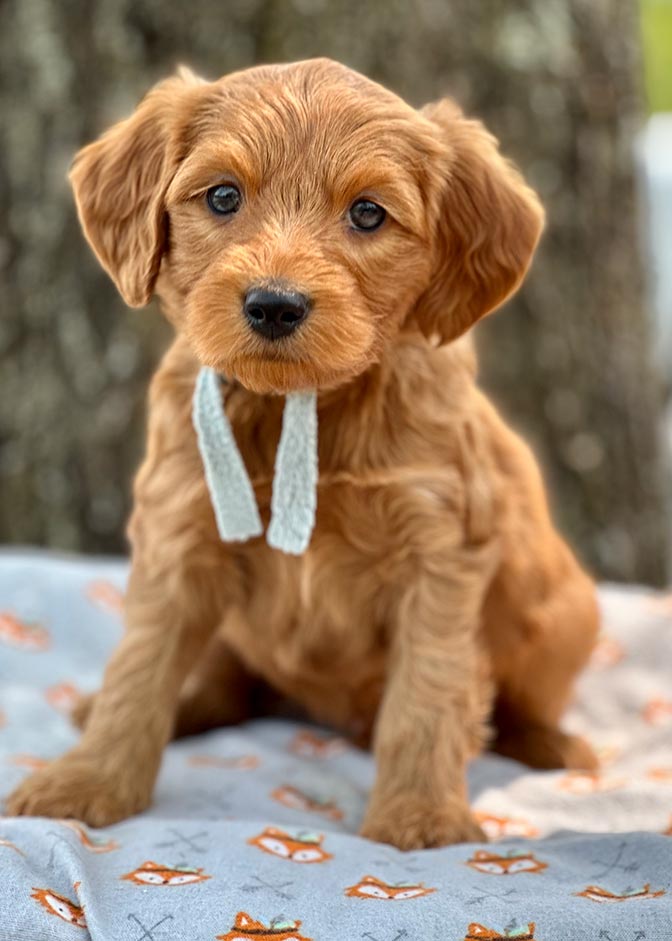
x: 657, y: 38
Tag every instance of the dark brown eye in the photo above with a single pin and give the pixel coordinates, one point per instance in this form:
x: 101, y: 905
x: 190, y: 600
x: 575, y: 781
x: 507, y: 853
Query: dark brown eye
x: 366, y: 215
x: 224, y: 199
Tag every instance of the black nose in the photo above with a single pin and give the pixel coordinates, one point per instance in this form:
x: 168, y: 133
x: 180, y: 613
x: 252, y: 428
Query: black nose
x: 275, y: 314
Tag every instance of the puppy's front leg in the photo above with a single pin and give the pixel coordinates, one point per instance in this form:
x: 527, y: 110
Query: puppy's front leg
x: 433, y: 714
x: 110, y: 773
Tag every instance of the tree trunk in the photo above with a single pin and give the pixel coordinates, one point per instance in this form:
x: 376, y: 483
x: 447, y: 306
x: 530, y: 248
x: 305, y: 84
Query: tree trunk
x: 568, y: 360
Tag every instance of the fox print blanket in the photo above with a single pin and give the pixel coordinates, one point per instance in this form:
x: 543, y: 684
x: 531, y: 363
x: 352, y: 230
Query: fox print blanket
x: 252, y: 833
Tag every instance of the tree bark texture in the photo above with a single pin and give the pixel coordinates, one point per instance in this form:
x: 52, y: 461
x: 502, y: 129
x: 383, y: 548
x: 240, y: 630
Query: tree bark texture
x: 568, y: 360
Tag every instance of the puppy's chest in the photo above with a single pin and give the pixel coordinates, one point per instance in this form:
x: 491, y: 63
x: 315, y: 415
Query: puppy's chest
x: 319, y: 613
x: 320, y: 627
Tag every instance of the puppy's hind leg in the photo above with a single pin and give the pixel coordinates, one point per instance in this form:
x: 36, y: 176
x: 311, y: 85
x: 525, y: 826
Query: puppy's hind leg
x: 550, y: 642
x: 217, y: 692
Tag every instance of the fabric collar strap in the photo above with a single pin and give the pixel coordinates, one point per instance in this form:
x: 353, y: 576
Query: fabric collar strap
x: 294, y: 497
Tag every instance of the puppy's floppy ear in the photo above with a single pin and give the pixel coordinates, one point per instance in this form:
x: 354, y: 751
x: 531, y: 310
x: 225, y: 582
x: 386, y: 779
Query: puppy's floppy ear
x: 487, y: 224
x: 120, y: 181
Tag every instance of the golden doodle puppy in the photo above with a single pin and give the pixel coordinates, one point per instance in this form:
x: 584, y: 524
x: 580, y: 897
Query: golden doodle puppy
x: 304, y: 228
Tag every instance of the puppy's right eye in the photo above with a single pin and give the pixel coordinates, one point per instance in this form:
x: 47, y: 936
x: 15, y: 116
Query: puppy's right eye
x: 224, y: 199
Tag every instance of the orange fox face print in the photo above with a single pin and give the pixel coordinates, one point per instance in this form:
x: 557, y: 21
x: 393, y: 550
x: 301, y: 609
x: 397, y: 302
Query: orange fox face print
x: 105, y: 595
x: 300, y: 847
x: 606, y: 653
x: 658, y: 711
x: 661, y: 774
x: 153, y: 874
x: 588, y: 782
x: 309, y: 744
x: 63, y: 696
x: 21, y: 634
x: 292, y: 797
x: 280, y: 929
x: 369, y: 887
x: 510, y: 863
x: 33, y: 762
x: 60, y: 906
x: 598, y: 894
x: 497, y: 827
x: 476, y: 932
x: 94, y: 844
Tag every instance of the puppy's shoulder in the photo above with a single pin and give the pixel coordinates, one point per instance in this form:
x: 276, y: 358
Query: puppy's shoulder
x: 437, y: 380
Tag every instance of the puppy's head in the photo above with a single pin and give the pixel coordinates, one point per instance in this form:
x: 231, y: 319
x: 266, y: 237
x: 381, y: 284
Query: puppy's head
x: 294, y: 217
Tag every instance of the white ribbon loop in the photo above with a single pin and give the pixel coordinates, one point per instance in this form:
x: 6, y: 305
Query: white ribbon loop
x: 294, y: 499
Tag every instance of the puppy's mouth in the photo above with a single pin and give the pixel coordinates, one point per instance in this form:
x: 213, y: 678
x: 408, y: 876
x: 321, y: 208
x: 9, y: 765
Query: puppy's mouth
x: 325, y: 351
x: 271, y: 373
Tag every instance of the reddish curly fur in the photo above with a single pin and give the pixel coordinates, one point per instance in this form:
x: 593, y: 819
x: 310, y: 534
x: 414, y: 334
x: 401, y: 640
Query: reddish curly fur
x: 435, y: 579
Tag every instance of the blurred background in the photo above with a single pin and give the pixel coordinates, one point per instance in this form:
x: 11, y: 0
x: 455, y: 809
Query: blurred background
x: 580, y: 361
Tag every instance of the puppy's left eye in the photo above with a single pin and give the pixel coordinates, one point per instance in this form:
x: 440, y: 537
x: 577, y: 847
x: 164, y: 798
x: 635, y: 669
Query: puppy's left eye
x: 366, y: 215
x: 224, y: 199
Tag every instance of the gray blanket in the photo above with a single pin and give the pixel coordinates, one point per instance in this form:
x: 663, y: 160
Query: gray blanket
x: 252, y: 834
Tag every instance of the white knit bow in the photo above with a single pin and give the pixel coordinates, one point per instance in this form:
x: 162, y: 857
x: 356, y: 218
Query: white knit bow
x: 294, y: 498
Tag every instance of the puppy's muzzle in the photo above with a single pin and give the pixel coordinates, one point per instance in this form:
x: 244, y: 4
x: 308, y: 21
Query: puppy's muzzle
x: 275, y: 314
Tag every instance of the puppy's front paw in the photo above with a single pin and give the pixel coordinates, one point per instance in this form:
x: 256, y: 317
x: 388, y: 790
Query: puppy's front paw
x: 411, y: 824
x: 75, y: 787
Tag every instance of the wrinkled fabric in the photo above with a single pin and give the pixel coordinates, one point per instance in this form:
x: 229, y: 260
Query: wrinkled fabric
x: 252, y: 833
